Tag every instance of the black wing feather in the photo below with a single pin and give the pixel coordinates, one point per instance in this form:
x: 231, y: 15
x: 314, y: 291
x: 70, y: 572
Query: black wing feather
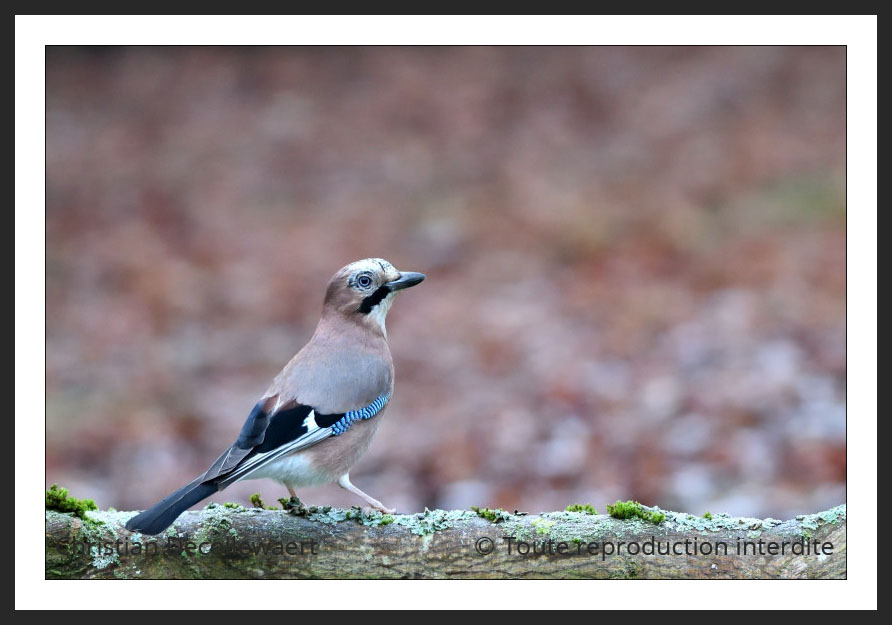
x: 254, y: 429
x: 278, y: 429
x: 284, y: 426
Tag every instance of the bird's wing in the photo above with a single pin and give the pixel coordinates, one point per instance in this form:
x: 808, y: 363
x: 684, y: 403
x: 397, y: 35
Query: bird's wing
x: 271, y: 433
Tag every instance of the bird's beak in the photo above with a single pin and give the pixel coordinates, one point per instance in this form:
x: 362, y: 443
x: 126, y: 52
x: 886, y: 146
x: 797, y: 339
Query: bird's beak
x: 406, y: 279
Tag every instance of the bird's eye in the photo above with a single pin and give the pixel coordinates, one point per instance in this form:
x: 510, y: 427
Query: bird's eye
x: 364, y: 281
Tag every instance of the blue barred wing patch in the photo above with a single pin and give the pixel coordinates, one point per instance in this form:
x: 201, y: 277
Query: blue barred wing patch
x: 343, y: 424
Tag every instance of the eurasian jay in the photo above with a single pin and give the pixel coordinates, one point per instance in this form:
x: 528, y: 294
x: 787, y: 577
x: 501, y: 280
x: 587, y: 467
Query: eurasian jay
x: 319, y: 415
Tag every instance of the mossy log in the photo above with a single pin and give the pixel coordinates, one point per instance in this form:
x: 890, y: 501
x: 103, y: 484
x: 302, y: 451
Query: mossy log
x: 227, y: 542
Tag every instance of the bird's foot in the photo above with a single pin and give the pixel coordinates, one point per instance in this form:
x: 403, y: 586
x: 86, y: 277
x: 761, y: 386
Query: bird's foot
x: 379, y: 508
x: 345, y: 483
x: 294, y: 506
x: 369, y: 513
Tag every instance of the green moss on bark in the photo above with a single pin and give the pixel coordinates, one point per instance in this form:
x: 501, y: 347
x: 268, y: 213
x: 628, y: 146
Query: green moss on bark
x: 633, y: 509
x: 587, y: 508
x: 57, y: 499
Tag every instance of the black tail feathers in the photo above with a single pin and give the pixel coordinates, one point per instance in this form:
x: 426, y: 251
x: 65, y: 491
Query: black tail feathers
x: 160, y: 516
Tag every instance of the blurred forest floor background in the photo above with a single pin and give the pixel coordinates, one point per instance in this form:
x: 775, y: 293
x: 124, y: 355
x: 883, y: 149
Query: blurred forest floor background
x: 635, y: 259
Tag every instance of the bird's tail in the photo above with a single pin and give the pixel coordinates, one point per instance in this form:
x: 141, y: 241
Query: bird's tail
x: 160, y: 516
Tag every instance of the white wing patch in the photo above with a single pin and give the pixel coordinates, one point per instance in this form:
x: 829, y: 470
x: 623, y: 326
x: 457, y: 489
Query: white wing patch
x: 310, y: 422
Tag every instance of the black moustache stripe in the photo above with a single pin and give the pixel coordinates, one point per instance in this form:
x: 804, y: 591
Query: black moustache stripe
x: 374, y: 299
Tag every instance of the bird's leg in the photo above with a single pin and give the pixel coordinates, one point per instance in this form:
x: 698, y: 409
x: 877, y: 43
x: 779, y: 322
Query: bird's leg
x: 294, y: 505
x: 344, y: 482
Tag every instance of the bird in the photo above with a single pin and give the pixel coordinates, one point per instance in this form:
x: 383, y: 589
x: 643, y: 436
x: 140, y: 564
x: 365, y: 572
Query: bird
x: 319, y: 414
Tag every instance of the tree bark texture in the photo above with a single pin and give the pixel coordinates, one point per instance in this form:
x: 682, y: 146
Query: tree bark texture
x: 223, y: 542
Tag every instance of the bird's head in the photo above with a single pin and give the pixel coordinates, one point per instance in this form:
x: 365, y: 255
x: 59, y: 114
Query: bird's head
x: 364, y: 290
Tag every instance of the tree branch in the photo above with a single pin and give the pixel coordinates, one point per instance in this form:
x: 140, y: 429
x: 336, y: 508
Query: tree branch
x: 225, y: 542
